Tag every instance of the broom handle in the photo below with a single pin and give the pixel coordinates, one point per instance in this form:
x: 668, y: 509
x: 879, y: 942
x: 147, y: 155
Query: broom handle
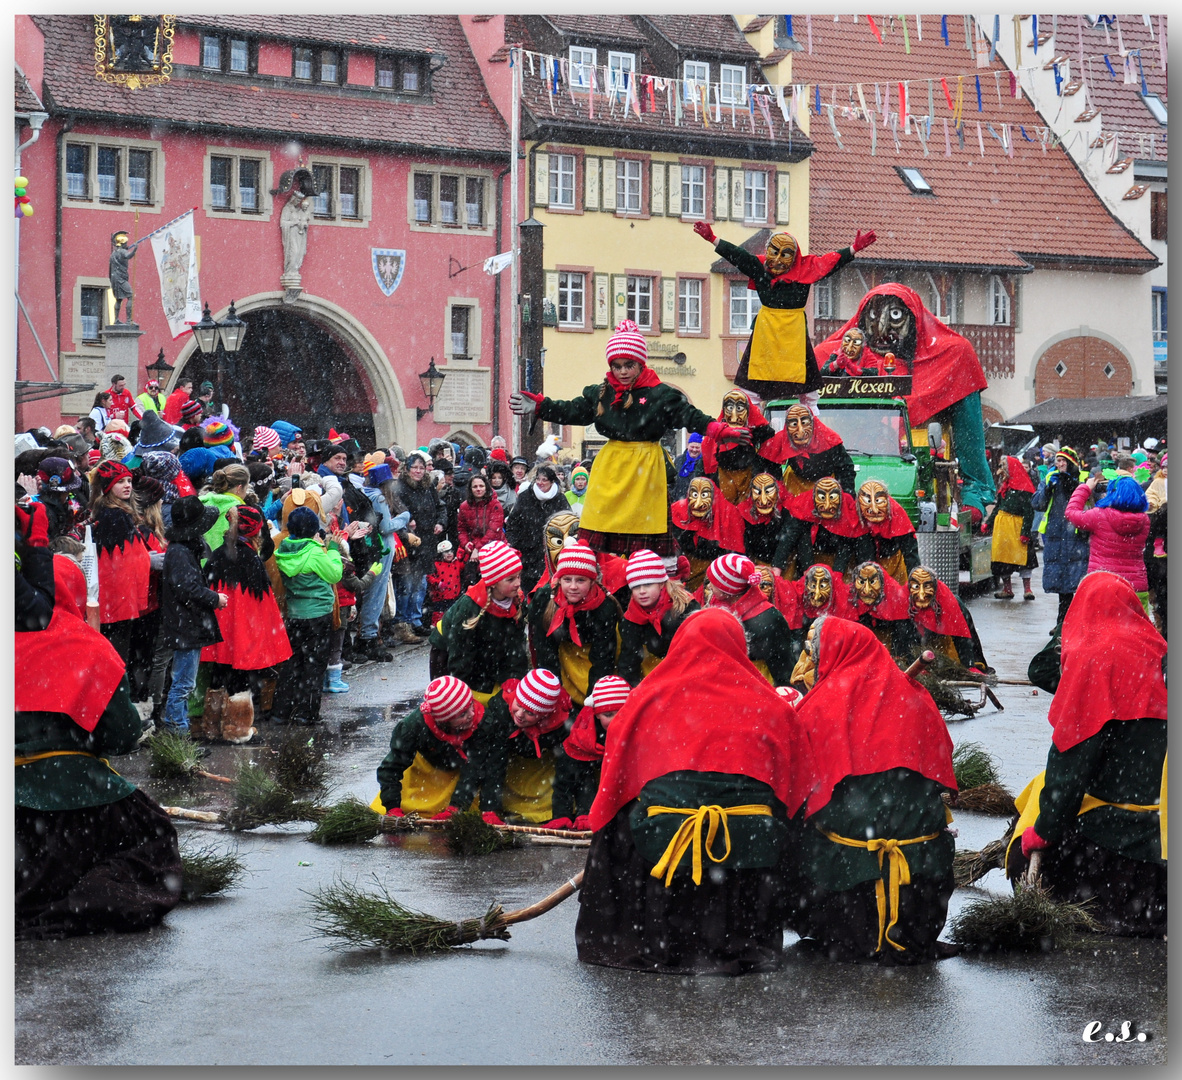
x: 926, y: 658
x: 192, y: 815
x: 568, y: 888
x: 534, y: 830
x: 1034, y: 870
x: 213, y: 776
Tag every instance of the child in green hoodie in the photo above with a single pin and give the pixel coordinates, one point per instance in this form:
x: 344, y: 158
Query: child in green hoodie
x: 309, y: 569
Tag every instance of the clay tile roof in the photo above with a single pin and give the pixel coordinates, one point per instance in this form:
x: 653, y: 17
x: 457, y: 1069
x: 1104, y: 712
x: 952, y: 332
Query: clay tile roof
x: 404, y: 33
x: 758, y: 23
x: 610, y: 27
x: 775, y: 56
x: 718, y: 35
x: 26, y: 100
x: 457, y: 116
x: 985, y: 210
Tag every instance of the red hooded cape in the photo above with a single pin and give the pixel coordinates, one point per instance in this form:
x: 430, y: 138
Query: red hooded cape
x: 863, y: 715
x: 67, y: 667
x: 945, y: 369
x: 755, y: 418
x: 705, y: 708
x: 779, y: 448
x: 1017, y: 478
x: 951, y: 620
x: 1111, y: 661
x: 848, y: 524
x: 725, y: 526
x: 894, y: 605
x: 839, y: 603
x: 896, y: 524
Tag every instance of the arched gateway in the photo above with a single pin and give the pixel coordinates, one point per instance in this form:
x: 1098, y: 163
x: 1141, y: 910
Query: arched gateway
x: 311, y: 363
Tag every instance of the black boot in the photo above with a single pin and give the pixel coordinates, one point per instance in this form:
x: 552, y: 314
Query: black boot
x: 374, y: 650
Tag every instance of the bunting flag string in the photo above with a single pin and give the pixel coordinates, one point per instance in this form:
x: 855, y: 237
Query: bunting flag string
x: 906, y: 36
x: 919, y: 28
x: 833, y: 128
x: 808, y: 27
x: 874, y: 28
x: 1034, y: 25
x: 980, y: 107
x: 996, y: 35
x: 1161, y: 39
x: 980, y: 138
x: 944, y: 29
x: 947, y: 140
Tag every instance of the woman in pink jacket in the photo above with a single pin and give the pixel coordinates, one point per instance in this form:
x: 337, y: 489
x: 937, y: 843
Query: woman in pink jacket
x: 1118, y: 525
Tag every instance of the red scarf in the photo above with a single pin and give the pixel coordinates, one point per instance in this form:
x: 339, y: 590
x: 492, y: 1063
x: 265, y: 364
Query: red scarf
x: 1111, y: 661
x: 951, y: 620
x: 863, y: 715
x: 724, y: 525
x: 479, y: 595
x: 805, y: 269
x: 1017, y: 479
x: 565, y: 611
x: 839, y: 603
x: 705, y: 708
x: 746, y: 605
x: 653, y: 615
x: 896, y: 524
x: 710, y: 446
x: 847, y: 523
x: 780, y: 448
x: 456, y: 742
x: 894, y: 605
x: 555, y: 720
x: 647, y: 377
x: 583, y: 743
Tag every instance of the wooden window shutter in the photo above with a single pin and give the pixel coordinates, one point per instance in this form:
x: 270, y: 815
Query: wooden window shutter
x: 619, y: 298
x: 657, y: 194
x: 601, y: 302
x: 668, y: 304
x: 737, y: 194
x: 590, y: 183
x: 675, y: 191
x: 609, y: 183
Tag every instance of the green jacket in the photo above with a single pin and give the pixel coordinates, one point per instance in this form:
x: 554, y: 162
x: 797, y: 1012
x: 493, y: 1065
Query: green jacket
x: 597, y: 629
x: 492, y: 651
x: 223, y: 502
x: 79, y: 778
x: 151, y: 404
x: 654, y: 412
x: 309, y: 573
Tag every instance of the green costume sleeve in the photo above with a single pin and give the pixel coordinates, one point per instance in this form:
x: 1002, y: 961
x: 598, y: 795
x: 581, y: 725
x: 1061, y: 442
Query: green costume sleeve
x: 1066, y: 783
x: 769, y: 638
x: 404, y: 744
x: 545, y: 648
x: 744, y: 262
x: 570, y: 775
x: 909, y: 546
x: 790, y: 531
x: 580, y: 410
x: 631, y: 652
x: 604, y: 643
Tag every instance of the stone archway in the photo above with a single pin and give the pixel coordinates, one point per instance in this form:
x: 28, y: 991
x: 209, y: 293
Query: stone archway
x: 1082, y: 366
x: 392, y: 420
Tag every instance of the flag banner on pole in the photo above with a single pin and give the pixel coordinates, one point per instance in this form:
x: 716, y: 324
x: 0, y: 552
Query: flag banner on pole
x: 496, y: 263
x: 176, y: 261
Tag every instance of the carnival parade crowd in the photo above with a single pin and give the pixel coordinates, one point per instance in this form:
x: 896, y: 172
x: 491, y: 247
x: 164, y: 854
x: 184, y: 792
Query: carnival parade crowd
x: 701, y: 654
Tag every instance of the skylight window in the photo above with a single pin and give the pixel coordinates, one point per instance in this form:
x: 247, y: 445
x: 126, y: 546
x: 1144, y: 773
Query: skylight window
x: 913, y: 178
x: 1156, y: 106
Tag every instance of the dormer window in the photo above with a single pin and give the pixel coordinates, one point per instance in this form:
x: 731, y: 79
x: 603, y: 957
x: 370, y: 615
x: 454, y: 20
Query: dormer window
x: 617, y: 64
x: 235, y: 55
x: 695, y: 73
x: 581, y: 62
x: 1156, y: 106
x: 733, y: 84
x: 403, y: 74
x: 317, y: 65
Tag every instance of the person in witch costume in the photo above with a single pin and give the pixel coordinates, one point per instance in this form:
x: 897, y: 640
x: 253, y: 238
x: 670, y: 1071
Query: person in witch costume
x: 732, y: 465
x: 821, y: 525
x: 779, y: 593
x: 734, y: 586
x: 821, y: 591
x: 875, y: 867
x: 627, y: 505
x: 440, y: 754
x: 779, y: 360
x: 891, y: 532
x: 879, y: 602
x: 703, y: 754
x: 1098, y: 811
x: 808, y: 450
x: 482, y: 637
x: 1012, y: 522
x: 943, y: 622
x: 124, y: 561
x: 572, y: 623
x: 93, y: 853
x: 706, y: 526
x: 657, y: 606
x: 762, y: 518
x: 577, y: 770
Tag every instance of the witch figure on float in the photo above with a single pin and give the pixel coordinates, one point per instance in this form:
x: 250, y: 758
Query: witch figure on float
x: 731, y: 464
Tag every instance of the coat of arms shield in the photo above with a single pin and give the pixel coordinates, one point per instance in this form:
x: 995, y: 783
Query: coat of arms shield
x: 388, y: 265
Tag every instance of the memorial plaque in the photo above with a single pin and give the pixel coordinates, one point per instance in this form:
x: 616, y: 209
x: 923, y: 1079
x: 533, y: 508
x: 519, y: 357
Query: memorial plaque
x: 464, y: 397
x: 78, y: 368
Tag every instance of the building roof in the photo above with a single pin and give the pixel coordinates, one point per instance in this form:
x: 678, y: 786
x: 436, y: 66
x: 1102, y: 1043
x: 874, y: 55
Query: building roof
x: 1102, y: 410
x: 457, y: 116
x: 984, y: 210
x: 718, y: 35
x: 755, y: 244
x: 600, y: 27
x: 26, y: 99
x: 403, y: 33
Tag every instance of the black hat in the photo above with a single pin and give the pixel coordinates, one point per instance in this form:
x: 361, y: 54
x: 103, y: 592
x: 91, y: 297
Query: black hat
x: 155, y: 434
x: 519, y: 461
x: 191, y: 518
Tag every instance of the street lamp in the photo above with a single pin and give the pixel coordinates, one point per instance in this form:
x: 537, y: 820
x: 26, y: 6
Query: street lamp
x: 431, y: 381
x: 228, y: 333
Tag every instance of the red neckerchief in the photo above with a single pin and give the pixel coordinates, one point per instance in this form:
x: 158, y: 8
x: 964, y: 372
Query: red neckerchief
x: 847, y: 523
x: 479, y: 594
x: 780, y: 447
x: 566, y: 611
x: 647, y: 377
x: 896, y: 524
x: 749, y: 514
x: 456, y: 742
x: 724, y: 525
x: 652, y: 616
x: 893, y: 607
x: 746, y: 605
x: 583, y: 743
x: 555, y: 720
x: 951, y: 620
x: 805, y: 269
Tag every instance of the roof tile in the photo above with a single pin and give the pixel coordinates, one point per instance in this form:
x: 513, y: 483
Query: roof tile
x: 715, y: 34
x: 26, y: 99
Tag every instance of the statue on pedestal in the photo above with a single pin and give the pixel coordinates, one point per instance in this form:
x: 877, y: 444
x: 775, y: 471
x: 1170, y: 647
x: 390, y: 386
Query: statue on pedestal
x: 293, y: 226
x: 121, y: 254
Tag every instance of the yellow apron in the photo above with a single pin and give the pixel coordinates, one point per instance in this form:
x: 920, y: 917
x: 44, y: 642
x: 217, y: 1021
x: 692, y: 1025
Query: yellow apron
x: 574, y: 671
x: 648, y: 663
x: 943, y: 645
x: 778, y: 345
x: 628, y: 492
x: 529, y: 785
x: 895, y: 567
x: 762, y: 668
x: 794, y: 484
x: 484, y: 698
x: 426, y: 790
x: 1007, y: 548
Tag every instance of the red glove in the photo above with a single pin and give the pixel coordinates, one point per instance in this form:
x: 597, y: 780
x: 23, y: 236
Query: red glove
x: 684, y: 570
x: 443, y: 815
x: 1024, y: 539
x: 721, y: 431
x: 582, y: 823
x: 537, y: 399
x: 702, y: 228
x: 396, y: 812
x: 489, y: 817
x: 863, y: 239
x: 559, y: 823
x: 1031, y: 841
x: 32, y: 525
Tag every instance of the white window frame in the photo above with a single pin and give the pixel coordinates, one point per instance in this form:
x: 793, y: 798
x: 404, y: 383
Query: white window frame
x: 629, y: 186
x: 87, y: 346
x: 726, y: 89
x: 823, y: 297
x: 955, y: 302
x: 618, y: 62
x: 937, y: 306
x: 471, y: 358
x: 751, y: 190
x: 687, y: 189
x: 124, y: 203
x: 557, y: 173
x: 742, y: 306
x: 689, y: 305
x: 436, y: 224
x: 364, y: 190
x: 214, y: 40
x: 999, y: 302
x: 235, y: 208
x: 694, y: 73
x: 640, y: 287
x: 581, y: 61
x: 567, y: 279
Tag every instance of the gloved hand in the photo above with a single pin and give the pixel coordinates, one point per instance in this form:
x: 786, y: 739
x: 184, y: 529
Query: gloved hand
x: 32, y: 524
x: 558, y: 823
x: 1024, y: 539
x: 396, y: 812
x: 702, y: 228
x: 413, y: 540
x: 523, y: 403
x: 443, y: 815
x: 490, y: 817
x: 1031, y: 841
x: 582, y: 823
x: 683, y: 568
x: 863, y: 240
x: 721, y: 432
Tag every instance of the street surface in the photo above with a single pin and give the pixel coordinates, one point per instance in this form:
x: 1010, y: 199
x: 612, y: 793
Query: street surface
x: 242, y: 980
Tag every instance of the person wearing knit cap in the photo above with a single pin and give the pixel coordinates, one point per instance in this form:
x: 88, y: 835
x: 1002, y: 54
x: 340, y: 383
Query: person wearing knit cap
x: 155, y: 434
x: 267, y: 439
x: 577, y: 769
x: 657, y: 606
x: 191, y: 414
x: 199, y: 464
x: 572, y: 623
x: 440, y: 754
x: 822, y: 525
x: 482, y: 637
x: 1065, y: 548
x: 114, y: 446
x: 627, y: 506
x: 732, y: 583
x: 579, y: 479
x: 60, y: 480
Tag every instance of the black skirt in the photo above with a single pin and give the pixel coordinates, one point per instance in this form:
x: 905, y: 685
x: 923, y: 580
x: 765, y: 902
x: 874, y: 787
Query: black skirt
x: 113, y: 867
x: 730, y: 924
x: 770, y: 391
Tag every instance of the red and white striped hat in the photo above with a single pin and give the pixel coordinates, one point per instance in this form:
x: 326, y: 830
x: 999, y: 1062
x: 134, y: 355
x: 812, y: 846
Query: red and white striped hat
x: 645, y: 568
x: 732, y: 573
x: 610, y: 693
x: 577, y: 559
x: 627, y: 343
x: 267, y: 438
x: 498, y: 561
x: 539, y: 691
x: 446, y: 697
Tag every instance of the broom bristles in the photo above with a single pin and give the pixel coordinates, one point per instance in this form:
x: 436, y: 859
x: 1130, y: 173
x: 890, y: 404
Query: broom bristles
x: 172, y: 756
x: 987, y: 799
x: 300, y: 765
x: 1030, y: 920
x: 351, y: 821
x: 970, y: 866
x: 259, y: 799
x: 973, y: 765
x: 468, y: 833
x: 206, y: 871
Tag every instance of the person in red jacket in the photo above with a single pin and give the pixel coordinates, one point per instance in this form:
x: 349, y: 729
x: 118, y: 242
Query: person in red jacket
x: 176, y: 401
x: 123, y: 404
x: 479, y: 521
x: 443, y: 583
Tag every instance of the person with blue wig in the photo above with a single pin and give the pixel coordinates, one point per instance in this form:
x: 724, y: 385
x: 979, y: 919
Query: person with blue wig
x: 1117, y: 526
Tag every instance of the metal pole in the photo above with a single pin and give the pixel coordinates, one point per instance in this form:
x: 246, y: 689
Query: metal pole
x: 514, y: 243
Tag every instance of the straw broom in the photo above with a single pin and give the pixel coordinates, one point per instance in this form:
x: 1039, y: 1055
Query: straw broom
x: 206, y: 871
x: 177, y: 757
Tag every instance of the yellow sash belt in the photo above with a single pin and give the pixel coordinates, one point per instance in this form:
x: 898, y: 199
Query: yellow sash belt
x: 900, y: 874
x: 690, y: 835
x: 30, y: 758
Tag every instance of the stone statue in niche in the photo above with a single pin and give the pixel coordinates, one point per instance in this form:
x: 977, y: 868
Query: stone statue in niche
x: 121, y: 254
x: 294, y: 221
